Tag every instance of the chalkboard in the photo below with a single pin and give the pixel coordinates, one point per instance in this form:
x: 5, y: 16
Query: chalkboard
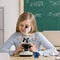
x: 46, y: 12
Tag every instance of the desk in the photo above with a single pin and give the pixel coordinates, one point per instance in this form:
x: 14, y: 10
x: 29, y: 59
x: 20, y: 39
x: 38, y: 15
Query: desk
x: 32, y: 58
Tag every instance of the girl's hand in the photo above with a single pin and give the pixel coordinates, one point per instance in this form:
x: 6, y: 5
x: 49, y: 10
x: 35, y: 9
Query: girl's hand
x: 33, y: 48
x: 18, y: 50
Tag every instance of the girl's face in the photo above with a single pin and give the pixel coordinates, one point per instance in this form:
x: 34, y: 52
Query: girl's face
x: 23, y: 24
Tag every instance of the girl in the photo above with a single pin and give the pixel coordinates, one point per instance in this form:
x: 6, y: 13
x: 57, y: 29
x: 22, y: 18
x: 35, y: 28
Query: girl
x: 27, y: 19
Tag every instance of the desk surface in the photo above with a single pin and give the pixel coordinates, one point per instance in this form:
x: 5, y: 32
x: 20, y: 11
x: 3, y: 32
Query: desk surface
x: 32, y: 58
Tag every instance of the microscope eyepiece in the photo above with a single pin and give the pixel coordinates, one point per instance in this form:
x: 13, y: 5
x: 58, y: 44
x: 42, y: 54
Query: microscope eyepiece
x: 26, y: 26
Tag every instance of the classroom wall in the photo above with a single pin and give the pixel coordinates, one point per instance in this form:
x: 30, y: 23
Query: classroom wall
x: 21, y: 5
x: 11, y: 13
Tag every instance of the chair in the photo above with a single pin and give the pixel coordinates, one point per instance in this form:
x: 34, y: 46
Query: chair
x: 4, y: 56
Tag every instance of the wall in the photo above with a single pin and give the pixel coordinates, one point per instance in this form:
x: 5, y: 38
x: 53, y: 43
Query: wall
x: 1, y: 26
x: 11, y: 13
x: 21, y: 5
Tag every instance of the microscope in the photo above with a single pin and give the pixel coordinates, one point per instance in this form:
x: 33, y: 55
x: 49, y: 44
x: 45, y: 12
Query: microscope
x: 25, y: 43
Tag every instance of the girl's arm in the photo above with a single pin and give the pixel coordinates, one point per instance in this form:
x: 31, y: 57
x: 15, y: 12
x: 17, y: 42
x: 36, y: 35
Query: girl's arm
x: 50, y: 49
x: 7, y: 45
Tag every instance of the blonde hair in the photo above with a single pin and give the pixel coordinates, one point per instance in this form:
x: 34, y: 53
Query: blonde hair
x: 27, y: 16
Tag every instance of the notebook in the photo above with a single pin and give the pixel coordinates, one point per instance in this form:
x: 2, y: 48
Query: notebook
x: 4, y: 56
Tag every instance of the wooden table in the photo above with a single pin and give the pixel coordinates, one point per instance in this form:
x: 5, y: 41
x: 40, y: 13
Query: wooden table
x: 32, y: 58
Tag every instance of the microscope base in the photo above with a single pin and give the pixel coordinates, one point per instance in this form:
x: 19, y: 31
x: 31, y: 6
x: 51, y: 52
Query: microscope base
x: 25, y: 53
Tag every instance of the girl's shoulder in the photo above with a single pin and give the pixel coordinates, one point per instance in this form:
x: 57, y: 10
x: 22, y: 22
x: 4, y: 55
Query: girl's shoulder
x: 14, y: 34
x: 38, y: 33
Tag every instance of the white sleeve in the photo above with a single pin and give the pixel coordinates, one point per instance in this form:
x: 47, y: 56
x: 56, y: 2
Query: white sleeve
x: 50, y: 49
x: 48, y: 52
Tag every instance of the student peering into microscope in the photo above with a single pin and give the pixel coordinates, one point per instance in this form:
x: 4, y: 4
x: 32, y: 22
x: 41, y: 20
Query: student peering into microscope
x: 28, y: 19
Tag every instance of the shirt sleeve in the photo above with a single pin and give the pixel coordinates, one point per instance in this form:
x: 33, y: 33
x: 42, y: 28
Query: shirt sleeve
x: 50, y: 49
x: 7, y: 45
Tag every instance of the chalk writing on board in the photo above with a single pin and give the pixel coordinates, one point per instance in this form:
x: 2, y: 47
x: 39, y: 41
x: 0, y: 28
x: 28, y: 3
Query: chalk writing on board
x: 27, y: 1
x: 38, y: 15
x: 45, y: 11
x: 57, y: 14
x: 37, y: 3
x: 54, y: 3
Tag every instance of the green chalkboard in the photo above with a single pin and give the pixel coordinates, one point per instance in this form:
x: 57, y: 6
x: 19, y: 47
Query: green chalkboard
x: 46, y: 12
